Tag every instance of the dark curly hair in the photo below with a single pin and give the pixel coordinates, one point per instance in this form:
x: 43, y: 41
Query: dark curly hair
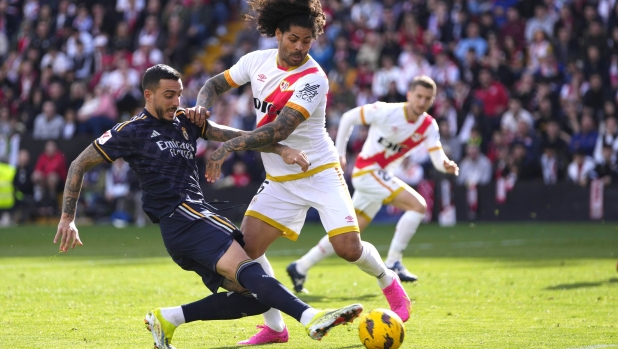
x: 272, y: 14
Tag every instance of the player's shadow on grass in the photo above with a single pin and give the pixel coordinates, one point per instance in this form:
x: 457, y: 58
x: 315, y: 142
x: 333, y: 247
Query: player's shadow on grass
x: 577, y: 285
x: 310, y: 298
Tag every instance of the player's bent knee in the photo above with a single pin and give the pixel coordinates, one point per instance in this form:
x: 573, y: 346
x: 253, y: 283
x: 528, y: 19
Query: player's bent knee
x: 421, y: 206
x: 347, y: 246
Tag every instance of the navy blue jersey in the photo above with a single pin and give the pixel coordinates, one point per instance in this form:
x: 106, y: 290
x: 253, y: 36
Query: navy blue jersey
x: 162, y: 154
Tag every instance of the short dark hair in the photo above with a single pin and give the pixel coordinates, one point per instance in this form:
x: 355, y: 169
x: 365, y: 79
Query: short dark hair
x: 152, y: 76
x: 272, y: 14
x: 424, y: 81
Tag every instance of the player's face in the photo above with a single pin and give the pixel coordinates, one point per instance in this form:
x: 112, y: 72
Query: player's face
x: 420, y: 99
x: 166, y: 99
x: 294, y: 45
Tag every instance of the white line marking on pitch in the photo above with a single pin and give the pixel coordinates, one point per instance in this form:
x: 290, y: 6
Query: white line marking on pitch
x: 598, y: 346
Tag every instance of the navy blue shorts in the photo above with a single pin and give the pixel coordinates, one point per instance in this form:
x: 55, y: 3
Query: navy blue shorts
x: 197, y: 238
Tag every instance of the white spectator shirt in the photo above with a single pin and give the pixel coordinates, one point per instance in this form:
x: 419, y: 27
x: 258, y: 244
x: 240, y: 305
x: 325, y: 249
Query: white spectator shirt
x: 304, y: 89
x: 392, y: 137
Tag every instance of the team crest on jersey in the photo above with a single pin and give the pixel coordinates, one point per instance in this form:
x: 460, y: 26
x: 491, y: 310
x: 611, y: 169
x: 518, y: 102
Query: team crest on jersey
x: 284, y: 85
x: 105, y: 137
x: 417, y: 137
x: 185, y: 134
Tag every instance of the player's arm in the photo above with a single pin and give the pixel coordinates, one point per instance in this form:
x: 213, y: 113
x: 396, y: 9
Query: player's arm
x: 212, y: 89
x: 273, y: 132
x: 438, y: 158
x: 67, y: 233
x: 222, y: 133
x: 441, y: 162
x: 346, y: 125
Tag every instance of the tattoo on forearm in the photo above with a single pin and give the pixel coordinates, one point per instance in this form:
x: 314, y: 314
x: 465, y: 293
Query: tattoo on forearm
x: 212, y: 89
x: 271, y: 133
x: 217, y: 133
x: 84, y: 162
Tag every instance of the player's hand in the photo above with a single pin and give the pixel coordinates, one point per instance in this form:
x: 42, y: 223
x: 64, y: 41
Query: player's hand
x: 67, y: 235
x: 293, y: 156
x: 197, y: 115
x: 451, y: 167
x: 213, y: 168
x: 343, y: 162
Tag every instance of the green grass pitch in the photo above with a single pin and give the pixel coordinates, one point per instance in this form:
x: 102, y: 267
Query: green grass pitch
x: 481, y: 286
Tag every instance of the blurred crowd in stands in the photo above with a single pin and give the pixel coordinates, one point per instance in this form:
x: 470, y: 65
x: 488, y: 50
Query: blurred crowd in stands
x: 527, y: 89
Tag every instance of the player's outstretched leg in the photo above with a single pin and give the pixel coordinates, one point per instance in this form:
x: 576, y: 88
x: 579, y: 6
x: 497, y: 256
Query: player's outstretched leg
x: 274, y: 329
x: 162, y: 322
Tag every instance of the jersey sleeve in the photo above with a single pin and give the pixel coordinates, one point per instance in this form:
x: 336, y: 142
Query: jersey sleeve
x: 432, y: 137
x: 308, y: 94
x: 240, y: 73
x: 115, y: 143
x: 369, y: 113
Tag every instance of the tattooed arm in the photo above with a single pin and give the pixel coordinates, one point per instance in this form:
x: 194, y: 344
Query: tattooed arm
x: 273, y: 132
x: 67, y: 232
x: 212, y: 89
x: 221, y: 133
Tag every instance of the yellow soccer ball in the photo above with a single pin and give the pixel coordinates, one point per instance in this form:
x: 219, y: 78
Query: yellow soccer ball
x: 381, y: 329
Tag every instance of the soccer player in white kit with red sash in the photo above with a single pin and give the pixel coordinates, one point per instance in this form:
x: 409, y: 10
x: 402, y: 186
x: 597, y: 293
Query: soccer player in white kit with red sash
x: 395, y: 130
x: 289, y: 90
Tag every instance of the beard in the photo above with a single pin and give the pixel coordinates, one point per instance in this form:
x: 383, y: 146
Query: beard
x: 161, y: 114
x: 288, y: 59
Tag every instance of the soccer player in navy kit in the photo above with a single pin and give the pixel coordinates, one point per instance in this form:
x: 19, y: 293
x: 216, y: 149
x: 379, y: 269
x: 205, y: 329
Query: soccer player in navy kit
x: 159, y: 145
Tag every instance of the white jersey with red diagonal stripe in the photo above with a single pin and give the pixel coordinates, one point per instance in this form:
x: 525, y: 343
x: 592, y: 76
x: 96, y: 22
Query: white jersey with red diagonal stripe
x: 302, y: 88
x: 392, y: 137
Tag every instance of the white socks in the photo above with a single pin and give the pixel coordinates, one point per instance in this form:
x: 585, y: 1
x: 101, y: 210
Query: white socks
x: 406, y: 227
x: 174, y: 315
x: 322, y: 250
x: 307, y: 315
x: 371, y: 263
x: 272, y: 318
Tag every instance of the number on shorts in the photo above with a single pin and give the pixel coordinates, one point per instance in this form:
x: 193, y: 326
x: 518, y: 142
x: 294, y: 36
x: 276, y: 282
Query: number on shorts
x: 385, y: 176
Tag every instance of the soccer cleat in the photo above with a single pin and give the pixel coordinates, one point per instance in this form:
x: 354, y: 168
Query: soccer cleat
x: 324, y: 320
x: 403, y: 273
x: 397, y: 298
x: 266, y: 336
x: 298, y: 279
x: 161, y: 329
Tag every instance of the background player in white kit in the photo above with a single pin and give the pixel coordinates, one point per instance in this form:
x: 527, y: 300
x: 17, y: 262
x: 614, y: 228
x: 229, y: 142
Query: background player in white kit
x: 395, y: 130
x: 289, y: 90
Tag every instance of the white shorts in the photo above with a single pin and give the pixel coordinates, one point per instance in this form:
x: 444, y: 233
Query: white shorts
x: 284, y: 205
x: 372, y: 189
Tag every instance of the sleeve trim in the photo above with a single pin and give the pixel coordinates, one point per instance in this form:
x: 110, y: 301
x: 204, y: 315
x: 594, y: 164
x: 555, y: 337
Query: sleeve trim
x: 204, y: 129
x: 98, y: 148
x: 228, y: 78
x: 298, y: 108
x: 362, y: 115
x: 434, y: 148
